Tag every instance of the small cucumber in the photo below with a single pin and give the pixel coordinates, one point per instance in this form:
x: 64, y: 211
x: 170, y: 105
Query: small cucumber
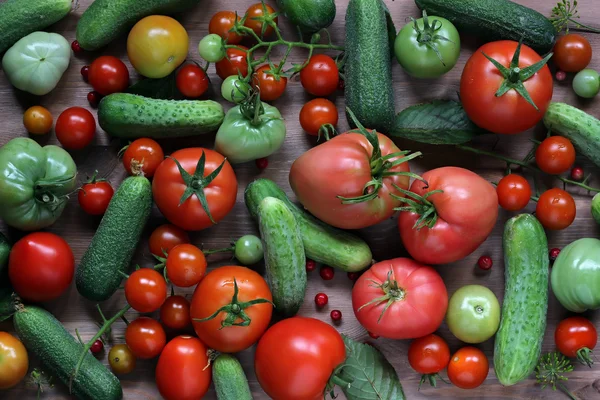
x: 107, y: 259
x: 4, y: 252
x: 130, y: 116
x: 309, y: 15
x: 523, y: 321
x: 285, y: 263
x: 229, y: 379
x: 579, y: 127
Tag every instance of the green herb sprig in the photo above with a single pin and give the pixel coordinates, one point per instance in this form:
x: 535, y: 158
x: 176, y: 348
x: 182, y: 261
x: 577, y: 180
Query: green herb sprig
x: 550, y: 372
x: 564, y: 13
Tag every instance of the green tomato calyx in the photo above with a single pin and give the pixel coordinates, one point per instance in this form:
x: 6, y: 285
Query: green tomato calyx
x: 584, y: 356
x: 420, y: 205
x: 45, y: 191
x: 428, y: 34
x: 391, y: 294
x: 252, y: 108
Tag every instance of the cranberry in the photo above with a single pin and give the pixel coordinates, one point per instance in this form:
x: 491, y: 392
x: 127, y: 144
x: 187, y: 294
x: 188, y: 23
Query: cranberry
x: 262, y: 163
x: 97, y: 347
x: 353, y: 276
x: 577, y: 174
x: 553, y: 254
x: 373, y: 335
x: 485, y: 262
x: 311, y: 265
x: 561, y: 76
x: 94, y: 98
x: 336, y: 315
x: 76, y: 47
x: 85, y: 71
x: 326, y: 273
x: 321, y: 300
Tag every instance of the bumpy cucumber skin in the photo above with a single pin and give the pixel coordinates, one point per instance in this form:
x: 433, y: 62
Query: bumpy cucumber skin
x: 106, y: 260
x: 229, y: 379
x: 130, y: 116
x: 368, y: 71
x: 46, y: 338
x: 596, y: 208
x: 523, y: 322
x: 19, y: 18
x: 106, y: 20
x: 4, y: 252
x: 309, y: 15
x: 494, y: 20
x: 322, y: 243
x: 285, y: 262
x: 580, y: 128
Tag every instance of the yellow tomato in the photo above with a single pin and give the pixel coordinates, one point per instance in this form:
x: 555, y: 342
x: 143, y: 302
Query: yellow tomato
x: 157, y: 45
x: 13, y: 361
x: 37, y: 120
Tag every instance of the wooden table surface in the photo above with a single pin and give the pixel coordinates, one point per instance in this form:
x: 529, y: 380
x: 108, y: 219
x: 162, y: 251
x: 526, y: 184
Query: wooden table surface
x: 78, y: 228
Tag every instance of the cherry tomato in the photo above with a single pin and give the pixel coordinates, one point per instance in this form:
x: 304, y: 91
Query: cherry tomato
x: 186, y: 265
x: 145, y: 337
x: 555, y: 155
x: 514, y: 192
x: 192, y: 81
x: 316, y: 113
x: 175, y: 312
x: 429, y: 355
x: 165, y: 237
x: 572, y: 53
x: 221, y: 24
x: 320, y: 77
x: 271, y: 86
x: 37, y: 120
x: 468, y: 368
x: 95, y: 196
x: 255, y: 19
x: 142, y: 157
x: 235, y: 62
x: 555, y: 209
x: 14, y: 361
x: 576, y: 337
x: 145, y: 290
x: 121, y: 359
x: 75, y: 128
x: 108, y: 74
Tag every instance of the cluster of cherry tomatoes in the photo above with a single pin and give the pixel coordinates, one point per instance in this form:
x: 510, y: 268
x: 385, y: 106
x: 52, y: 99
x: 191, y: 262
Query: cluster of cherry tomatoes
x: 572, y: 54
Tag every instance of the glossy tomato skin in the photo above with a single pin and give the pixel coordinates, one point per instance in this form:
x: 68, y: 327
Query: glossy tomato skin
x: 168, y: 187
x: 509, y: 113
x: 121, y: 359
x: 573, y: 334
x: 467, y: 212
x: 145, y: 290
x: 37, y: 120
x: 341, y: 167
x: 14, y: 361
x: 271, y: 87
x: 419, y: 311
x: 256, y: 11
x: 41, y: 266
x: 572, y: 53
x: 182, y: 372
x: 468, y: 368
x: 312, y: 349
x: 175, y: 312
x: 556, y: 209
x: 142, y: 157
x: 514, y: 192
x: 75, y: 128
x: 221, y: 24
x: 236, y: 61
x: 215, y: 291
x: 320, y: 77
x: 429, y: 354
x: 317, y: 113
x: 94, y: 197
x: 555, y: 155
x: 165, y: 237
x: 145, y: 337
x: 186, y: 265
x: 108, y: 74
x: 192, y: 81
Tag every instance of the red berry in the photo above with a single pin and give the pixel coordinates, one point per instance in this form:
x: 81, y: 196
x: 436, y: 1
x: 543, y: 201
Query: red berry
x: 561, y: 76
x: 373, y: 335
x: 310, y: 265
x: 485, y: 262
x: 85, y: 71
x: 353, y: 276
x: 97, y: 347
x: 262, y: 163
x: 94, y: 98
x: 326, y: 273
x: 553, y: 253
x: 577, y: 174
x: 336, y: 315
x: 76, y: 47
x: 321, y: 300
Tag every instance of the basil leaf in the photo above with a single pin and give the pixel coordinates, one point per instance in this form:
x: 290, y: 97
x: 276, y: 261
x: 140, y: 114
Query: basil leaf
x: 438, y: 122
x: 162, y: 88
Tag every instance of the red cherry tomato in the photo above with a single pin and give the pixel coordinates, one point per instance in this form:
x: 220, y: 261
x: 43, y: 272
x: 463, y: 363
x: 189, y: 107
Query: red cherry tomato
x: 221, y: 24
x: 75, y: 128
x: 235, y: 62
x: 468, y: 368
x: 316, y: 113
x: 186, y: 265
x: 556, y: 209
x: 108, y: 74
x: 192, y: 81
x: 555, y: 155
x: 145, y: 290
x: 165, y: 237
x: 572, y: 53
x: 175, y: 312
x: 429, y: 355
x: 95, y: 196
x: 145, y: 337
x: 320, y: 77
x: 254, y: 14
x: 271, y: 87
x: 514, y: 192
x: 142, y: 157
x: 576, y: 337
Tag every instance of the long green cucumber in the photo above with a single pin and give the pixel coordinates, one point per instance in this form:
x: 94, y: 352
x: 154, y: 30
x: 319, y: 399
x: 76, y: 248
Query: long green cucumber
x: 229, y: 379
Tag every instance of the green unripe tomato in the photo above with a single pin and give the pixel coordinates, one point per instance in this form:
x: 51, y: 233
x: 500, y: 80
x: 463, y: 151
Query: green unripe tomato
x: 473, y: 314
x: 249, y: 250
x: 234, y: 89
x: 596, y: 208
x: 211, y: 48
x: 586, y: 83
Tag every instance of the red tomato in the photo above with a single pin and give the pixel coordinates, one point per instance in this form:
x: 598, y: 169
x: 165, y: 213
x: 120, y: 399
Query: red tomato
x: 556, y: 209
x: 108, y: 74
x: 312, y: 349
x: 41, y: 266
x: 468, y: 368
x: 572, y: 53
x: 182, y: 372
x: 255, y: 19
x: 165, y: 237
x: 320, y: 77
x: 555, y: 155
x: 513, y: 192
x: 576, y: 337
x: 216, y: 290
x: 236, y: 61
x: 14, y: 361
x: 175, y: 312
x: 75, y: 128
x: 145, y: 337
x: 169, y: 186
x: 316, y: 113
x: 429, y: 355
x: 221, y: 24
x: 418, y: 299
x: 95, y: 196
x: 466, y: 211
x: 343, y: 166
x: 271, y: 87
x: 509, y: 113
x: 145, y: 290
x: 186, y: 265
x: 142, y: 157
x: 192, y: 81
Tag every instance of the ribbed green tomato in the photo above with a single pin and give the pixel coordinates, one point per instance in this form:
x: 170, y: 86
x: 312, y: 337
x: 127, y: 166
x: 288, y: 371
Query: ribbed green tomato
x: 473, y: 314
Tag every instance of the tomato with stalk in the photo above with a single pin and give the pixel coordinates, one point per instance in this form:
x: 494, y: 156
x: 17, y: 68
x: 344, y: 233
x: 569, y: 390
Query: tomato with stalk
x: 260, y: 17
x: 319, y: 116
x: 222, y: 23
x: 95, y: 195
x: 234, y: 63
x: 142, y: 157
x: 269, y: 82
x: 576, y: 337
x: 428, y: 356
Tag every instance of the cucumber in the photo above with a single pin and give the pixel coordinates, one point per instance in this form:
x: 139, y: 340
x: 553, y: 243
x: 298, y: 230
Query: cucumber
x: 523, y: 322
x: 4, y: 252
x: 580, y: 128
x: 368, y: 67
x: 107, y: 259
x: 46, y: 338
x: 229, y: 379
x: 7, y: 303
x: 106, y: 20
x: 596, y: 208
x: 19, y: 18
x: 285, y: 263
x: 494, y: 20
x: 130, y: 116
x: 309, y: 15
x: 322, y: 243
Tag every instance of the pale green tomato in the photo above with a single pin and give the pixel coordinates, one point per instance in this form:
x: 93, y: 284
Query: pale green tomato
x: 36, y: 63
x: 586, y: 83
x: 211, y: 48
x: 234, y: 89
x: 473, y: 314
x: 249, y: 250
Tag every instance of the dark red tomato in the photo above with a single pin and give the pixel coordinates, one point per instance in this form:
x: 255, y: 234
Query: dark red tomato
x: 75, y: 128
x: 555, y: 155
x: 221, y: 24
x: 513, y: 192
x: 175, y: 312
x: 320, y: 77
x: 165, y: 237
x: 95, y: 196
x: 572, y: 53
x: 271, y: 86
x: 183, y: 371
x: 255, y: 16
x: 41, y: 267
x: 316, y: 113
x: 556, y: 209
x: 145, y: 337
x: 142, y: 157
x: 192, y: 81
x: 576, y: 337
x: 429, y: 354
x: 108, y: 74
x: 235, y: 62
x: 468, y: 368
x: 145, y: 290
x: 186, y: 265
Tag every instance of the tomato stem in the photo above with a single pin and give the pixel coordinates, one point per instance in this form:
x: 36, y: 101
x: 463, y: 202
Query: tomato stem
x: 584, y: 356
x: 428, y: 34
x: 392, y: 293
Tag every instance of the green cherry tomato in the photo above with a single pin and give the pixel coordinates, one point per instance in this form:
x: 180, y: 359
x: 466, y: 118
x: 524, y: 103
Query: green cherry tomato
x: 234, y: 89
x: 211, y: 48
x: 421, y: 49
x: 586, y: 83
x: 249, y: 250
x: 473, y: 314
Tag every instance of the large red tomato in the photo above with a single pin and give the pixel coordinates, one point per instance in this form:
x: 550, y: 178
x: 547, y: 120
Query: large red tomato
x: 460, y: 217
x: 295, y: 358
x: 224, y: 332
x: 178, y: 195
x: 508, y: 113
x: 416, y: 293
x: 346, y: 167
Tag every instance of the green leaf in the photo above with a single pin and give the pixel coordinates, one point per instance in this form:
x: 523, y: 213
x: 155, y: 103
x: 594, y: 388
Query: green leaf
x: 162, y: 88
x: 438, y: 122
